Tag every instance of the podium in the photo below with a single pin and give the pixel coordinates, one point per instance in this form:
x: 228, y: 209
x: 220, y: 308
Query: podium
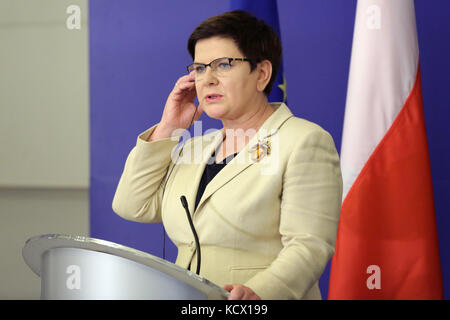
x: 76, y: 267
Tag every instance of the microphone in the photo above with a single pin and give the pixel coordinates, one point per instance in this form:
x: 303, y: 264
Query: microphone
x: 191, y: 224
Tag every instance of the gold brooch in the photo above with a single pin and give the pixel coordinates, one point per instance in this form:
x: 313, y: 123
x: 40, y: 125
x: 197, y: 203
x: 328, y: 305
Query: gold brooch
x: 260, y: 150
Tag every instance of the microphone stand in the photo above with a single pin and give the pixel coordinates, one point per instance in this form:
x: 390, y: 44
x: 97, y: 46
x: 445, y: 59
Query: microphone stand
x: 191, y: 224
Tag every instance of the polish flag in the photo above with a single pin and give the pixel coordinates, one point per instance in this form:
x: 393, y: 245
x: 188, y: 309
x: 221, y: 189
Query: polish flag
x: 387, y: 246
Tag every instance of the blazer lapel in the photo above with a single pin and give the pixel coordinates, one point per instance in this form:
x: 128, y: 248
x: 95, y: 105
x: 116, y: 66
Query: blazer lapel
x: 243, y: 160
x: 198, y: 163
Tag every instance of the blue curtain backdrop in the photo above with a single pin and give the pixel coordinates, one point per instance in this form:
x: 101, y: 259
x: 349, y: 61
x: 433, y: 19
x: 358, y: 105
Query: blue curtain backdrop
x: 138, y: 50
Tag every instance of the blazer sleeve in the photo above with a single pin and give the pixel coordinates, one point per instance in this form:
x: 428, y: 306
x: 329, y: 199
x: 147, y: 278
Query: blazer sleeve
x: 310, y: 208
x: 138, y: 195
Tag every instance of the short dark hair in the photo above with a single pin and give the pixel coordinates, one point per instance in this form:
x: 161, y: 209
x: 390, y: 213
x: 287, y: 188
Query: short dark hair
x: 254, y: 38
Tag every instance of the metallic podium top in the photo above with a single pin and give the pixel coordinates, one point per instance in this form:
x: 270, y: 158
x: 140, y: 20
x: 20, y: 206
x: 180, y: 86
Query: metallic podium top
x: 37, y: 247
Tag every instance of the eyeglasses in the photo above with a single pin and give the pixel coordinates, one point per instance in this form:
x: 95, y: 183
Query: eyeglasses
x: 219, y: 65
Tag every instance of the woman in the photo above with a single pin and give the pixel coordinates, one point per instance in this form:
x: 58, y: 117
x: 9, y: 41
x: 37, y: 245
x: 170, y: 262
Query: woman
x: 265, y: 191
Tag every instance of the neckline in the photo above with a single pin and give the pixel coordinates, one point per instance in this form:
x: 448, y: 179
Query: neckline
x: 225, y: 160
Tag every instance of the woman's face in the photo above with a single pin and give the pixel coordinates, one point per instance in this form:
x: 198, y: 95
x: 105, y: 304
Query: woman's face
x: 231, y: 95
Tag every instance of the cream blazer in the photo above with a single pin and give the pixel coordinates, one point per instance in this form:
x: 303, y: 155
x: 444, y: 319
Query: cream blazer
x: 266, y: 222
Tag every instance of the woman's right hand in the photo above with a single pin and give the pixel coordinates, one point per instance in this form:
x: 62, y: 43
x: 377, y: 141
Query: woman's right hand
x: 179, y: 108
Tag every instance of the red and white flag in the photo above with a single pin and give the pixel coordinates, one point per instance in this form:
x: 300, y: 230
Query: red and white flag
x: 387, y: 246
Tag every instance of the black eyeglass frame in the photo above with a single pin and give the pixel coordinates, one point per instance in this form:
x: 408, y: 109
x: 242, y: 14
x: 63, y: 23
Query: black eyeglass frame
x: 209, y: 64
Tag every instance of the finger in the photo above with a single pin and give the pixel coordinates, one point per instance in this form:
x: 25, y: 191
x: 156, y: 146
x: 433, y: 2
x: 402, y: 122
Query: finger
x: 183, y: 88
x: 187, y: 78
x: 254, y: 296
x: 247, y: 294
x: 237, y: 293
x: 190, y: 76
x: 227, y: 287
x: 185, y: 85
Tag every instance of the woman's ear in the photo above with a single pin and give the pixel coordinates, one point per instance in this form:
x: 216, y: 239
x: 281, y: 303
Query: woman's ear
x: 264, y: 69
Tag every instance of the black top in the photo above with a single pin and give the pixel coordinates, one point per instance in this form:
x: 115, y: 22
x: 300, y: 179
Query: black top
x: 211, y: 169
